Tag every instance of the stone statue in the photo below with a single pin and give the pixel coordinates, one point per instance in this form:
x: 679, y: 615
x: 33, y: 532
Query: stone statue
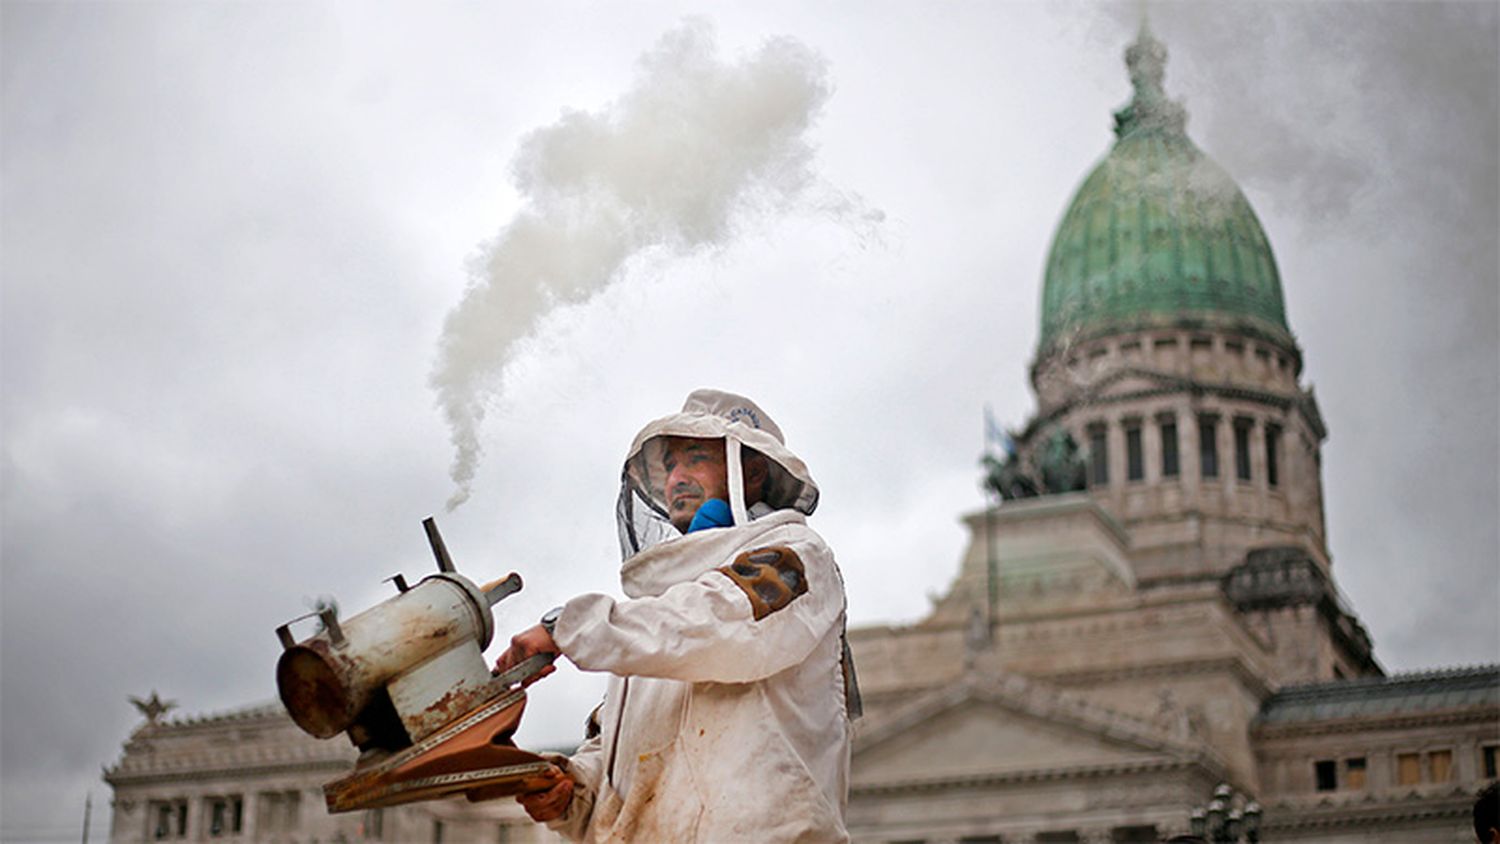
x: 1007, y: 478
x: 153, y: 707
x: 1062, y: 465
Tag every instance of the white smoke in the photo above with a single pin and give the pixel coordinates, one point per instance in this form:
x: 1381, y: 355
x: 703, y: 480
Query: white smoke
x: 695, y: 145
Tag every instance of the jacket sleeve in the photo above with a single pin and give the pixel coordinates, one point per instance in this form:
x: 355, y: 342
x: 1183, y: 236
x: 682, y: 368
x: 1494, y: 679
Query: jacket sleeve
x: 705, y: 630
x: 586, y: 767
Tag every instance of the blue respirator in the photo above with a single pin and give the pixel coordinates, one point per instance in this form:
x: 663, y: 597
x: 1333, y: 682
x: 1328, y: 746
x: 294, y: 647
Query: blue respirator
x: 711, y: 514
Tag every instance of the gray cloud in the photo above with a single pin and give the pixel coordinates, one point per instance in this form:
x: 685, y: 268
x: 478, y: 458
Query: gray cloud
x: 229, y: 236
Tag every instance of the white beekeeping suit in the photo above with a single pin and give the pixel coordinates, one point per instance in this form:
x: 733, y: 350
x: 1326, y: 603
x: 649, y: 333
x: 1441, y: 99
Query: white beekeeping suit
x: 728, y: 715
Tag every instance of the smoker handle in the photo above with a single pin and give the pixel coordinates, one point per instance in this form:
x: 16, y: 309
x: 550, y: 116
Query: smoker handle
x: 498, y: 590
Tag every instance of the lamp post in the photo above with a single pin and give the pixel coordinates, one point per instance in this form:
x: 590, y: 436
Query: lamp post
x: 1221, y: 821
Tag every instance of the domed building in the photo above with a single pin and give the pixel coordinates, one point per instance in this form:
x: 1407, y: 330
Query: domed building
x: 1151, y: 611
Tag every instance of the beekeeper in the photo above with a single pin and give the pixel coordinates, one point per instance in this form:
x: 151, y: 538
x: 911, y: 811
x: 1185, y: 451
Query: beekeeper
x: 727, y: 717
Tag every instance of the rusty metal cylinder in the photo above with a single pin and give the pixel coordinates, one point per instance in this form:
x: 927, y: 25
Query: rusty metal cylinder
x: 328, y: 679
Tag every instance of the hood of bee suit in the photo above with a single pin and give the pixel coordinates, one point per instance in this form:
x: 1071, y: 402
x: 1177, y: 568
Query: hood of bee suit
x: 707, y: 414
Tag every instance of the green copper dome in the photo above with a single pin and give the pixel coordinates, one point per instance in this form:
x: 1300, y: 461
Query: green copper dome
x: 1158, y: 234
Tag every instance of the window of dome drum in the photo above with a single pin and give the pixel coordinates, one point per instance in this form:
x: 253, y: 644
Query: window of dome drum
x: 1242, y: 448
x: 1273, y: 446
x: 1491, y: 762
x: 1167, y: 425
x: 1135, y: 462
x: 1098, y: 455
x: 1208, y: 444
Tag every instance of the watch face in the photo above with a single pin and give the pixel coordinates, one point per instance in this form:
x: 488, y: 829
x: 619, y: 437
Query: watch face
x: 549, y: 618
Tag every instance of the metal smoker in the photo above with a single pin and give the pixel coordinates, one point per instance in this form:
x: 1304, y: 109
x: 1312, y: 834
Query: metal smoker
x: 407, y: 681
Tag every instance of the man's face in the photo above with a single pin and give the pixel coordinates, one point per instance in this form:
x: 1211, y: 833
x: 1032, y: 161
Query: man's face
x: 696, y: 472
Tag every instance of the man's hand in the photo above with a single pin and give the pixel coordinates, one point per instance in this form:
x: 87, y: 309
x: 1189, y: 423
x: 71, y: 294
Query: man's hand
x: 524, y: 645
x: 551, y: 804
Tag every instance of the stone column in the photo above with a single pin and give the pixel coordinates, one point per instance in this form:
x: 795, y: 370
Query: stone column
x: 194, y: 815
x: 1151, y: 447
x: 1258, y: 455
x: 1189, y: 450
x: 1225, y: 432
x: 1114, y: 434
x: 249, y: 823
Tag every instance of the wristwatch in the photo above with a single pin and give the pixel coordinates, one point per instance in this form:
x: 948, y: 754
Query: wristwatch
x: 549, y: 620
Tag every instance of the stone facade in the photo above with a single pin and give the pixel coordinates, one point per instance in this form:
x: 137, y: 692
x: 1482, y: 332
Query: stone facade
x: 1095, y: 706
x: 254, y: 776
x: 1154, y: 611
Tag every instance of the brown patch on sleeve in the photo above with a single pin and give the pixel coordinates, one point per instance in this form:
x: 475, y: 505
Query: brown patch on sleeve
x: 771, y: 577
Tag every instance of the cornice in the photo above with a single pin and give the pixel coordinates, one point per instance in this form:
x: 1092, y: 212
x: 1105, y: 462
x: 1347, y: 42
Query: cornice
x: 1188, y: 513
x: 917, y: 785
x: 1171, y: 384
x: 270, y: 713
x: 1052, y: 506
x: 1486, y: 714
x: 1317, y: 688
x: 120, y: 779
x: 1182, y: 323
x: 1230, y: 664
x: 1280, y: 817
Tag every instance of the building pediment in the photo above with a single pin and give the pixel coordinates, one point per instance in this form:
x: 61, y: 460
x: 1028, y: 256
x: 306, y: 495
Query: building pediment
x: 983, y: 727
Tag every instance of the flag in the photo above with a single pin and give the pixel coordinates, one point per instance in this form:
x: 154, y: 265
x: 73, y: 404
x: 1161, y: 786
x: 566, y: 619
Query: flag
x: 994, y: 435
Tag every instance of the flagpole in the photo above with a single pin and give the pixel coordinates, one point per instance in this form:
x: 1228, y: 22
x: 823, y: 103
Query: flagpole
x: 992, y: 574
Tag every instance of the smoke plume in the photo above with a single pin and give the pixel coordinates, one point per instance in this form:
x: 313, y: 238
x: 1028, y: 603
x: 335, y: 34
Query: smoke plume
x: 693, y: 146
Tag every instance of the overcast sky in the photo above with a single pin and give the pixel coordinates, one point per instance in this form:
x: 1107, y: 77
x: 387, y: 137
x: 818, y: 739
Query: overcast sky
x: 230, y: 235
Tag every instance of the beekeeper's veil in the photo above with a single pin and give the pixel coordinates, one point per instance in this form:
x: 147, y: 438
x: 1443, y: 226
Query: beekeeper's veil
x: 708, y: 414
